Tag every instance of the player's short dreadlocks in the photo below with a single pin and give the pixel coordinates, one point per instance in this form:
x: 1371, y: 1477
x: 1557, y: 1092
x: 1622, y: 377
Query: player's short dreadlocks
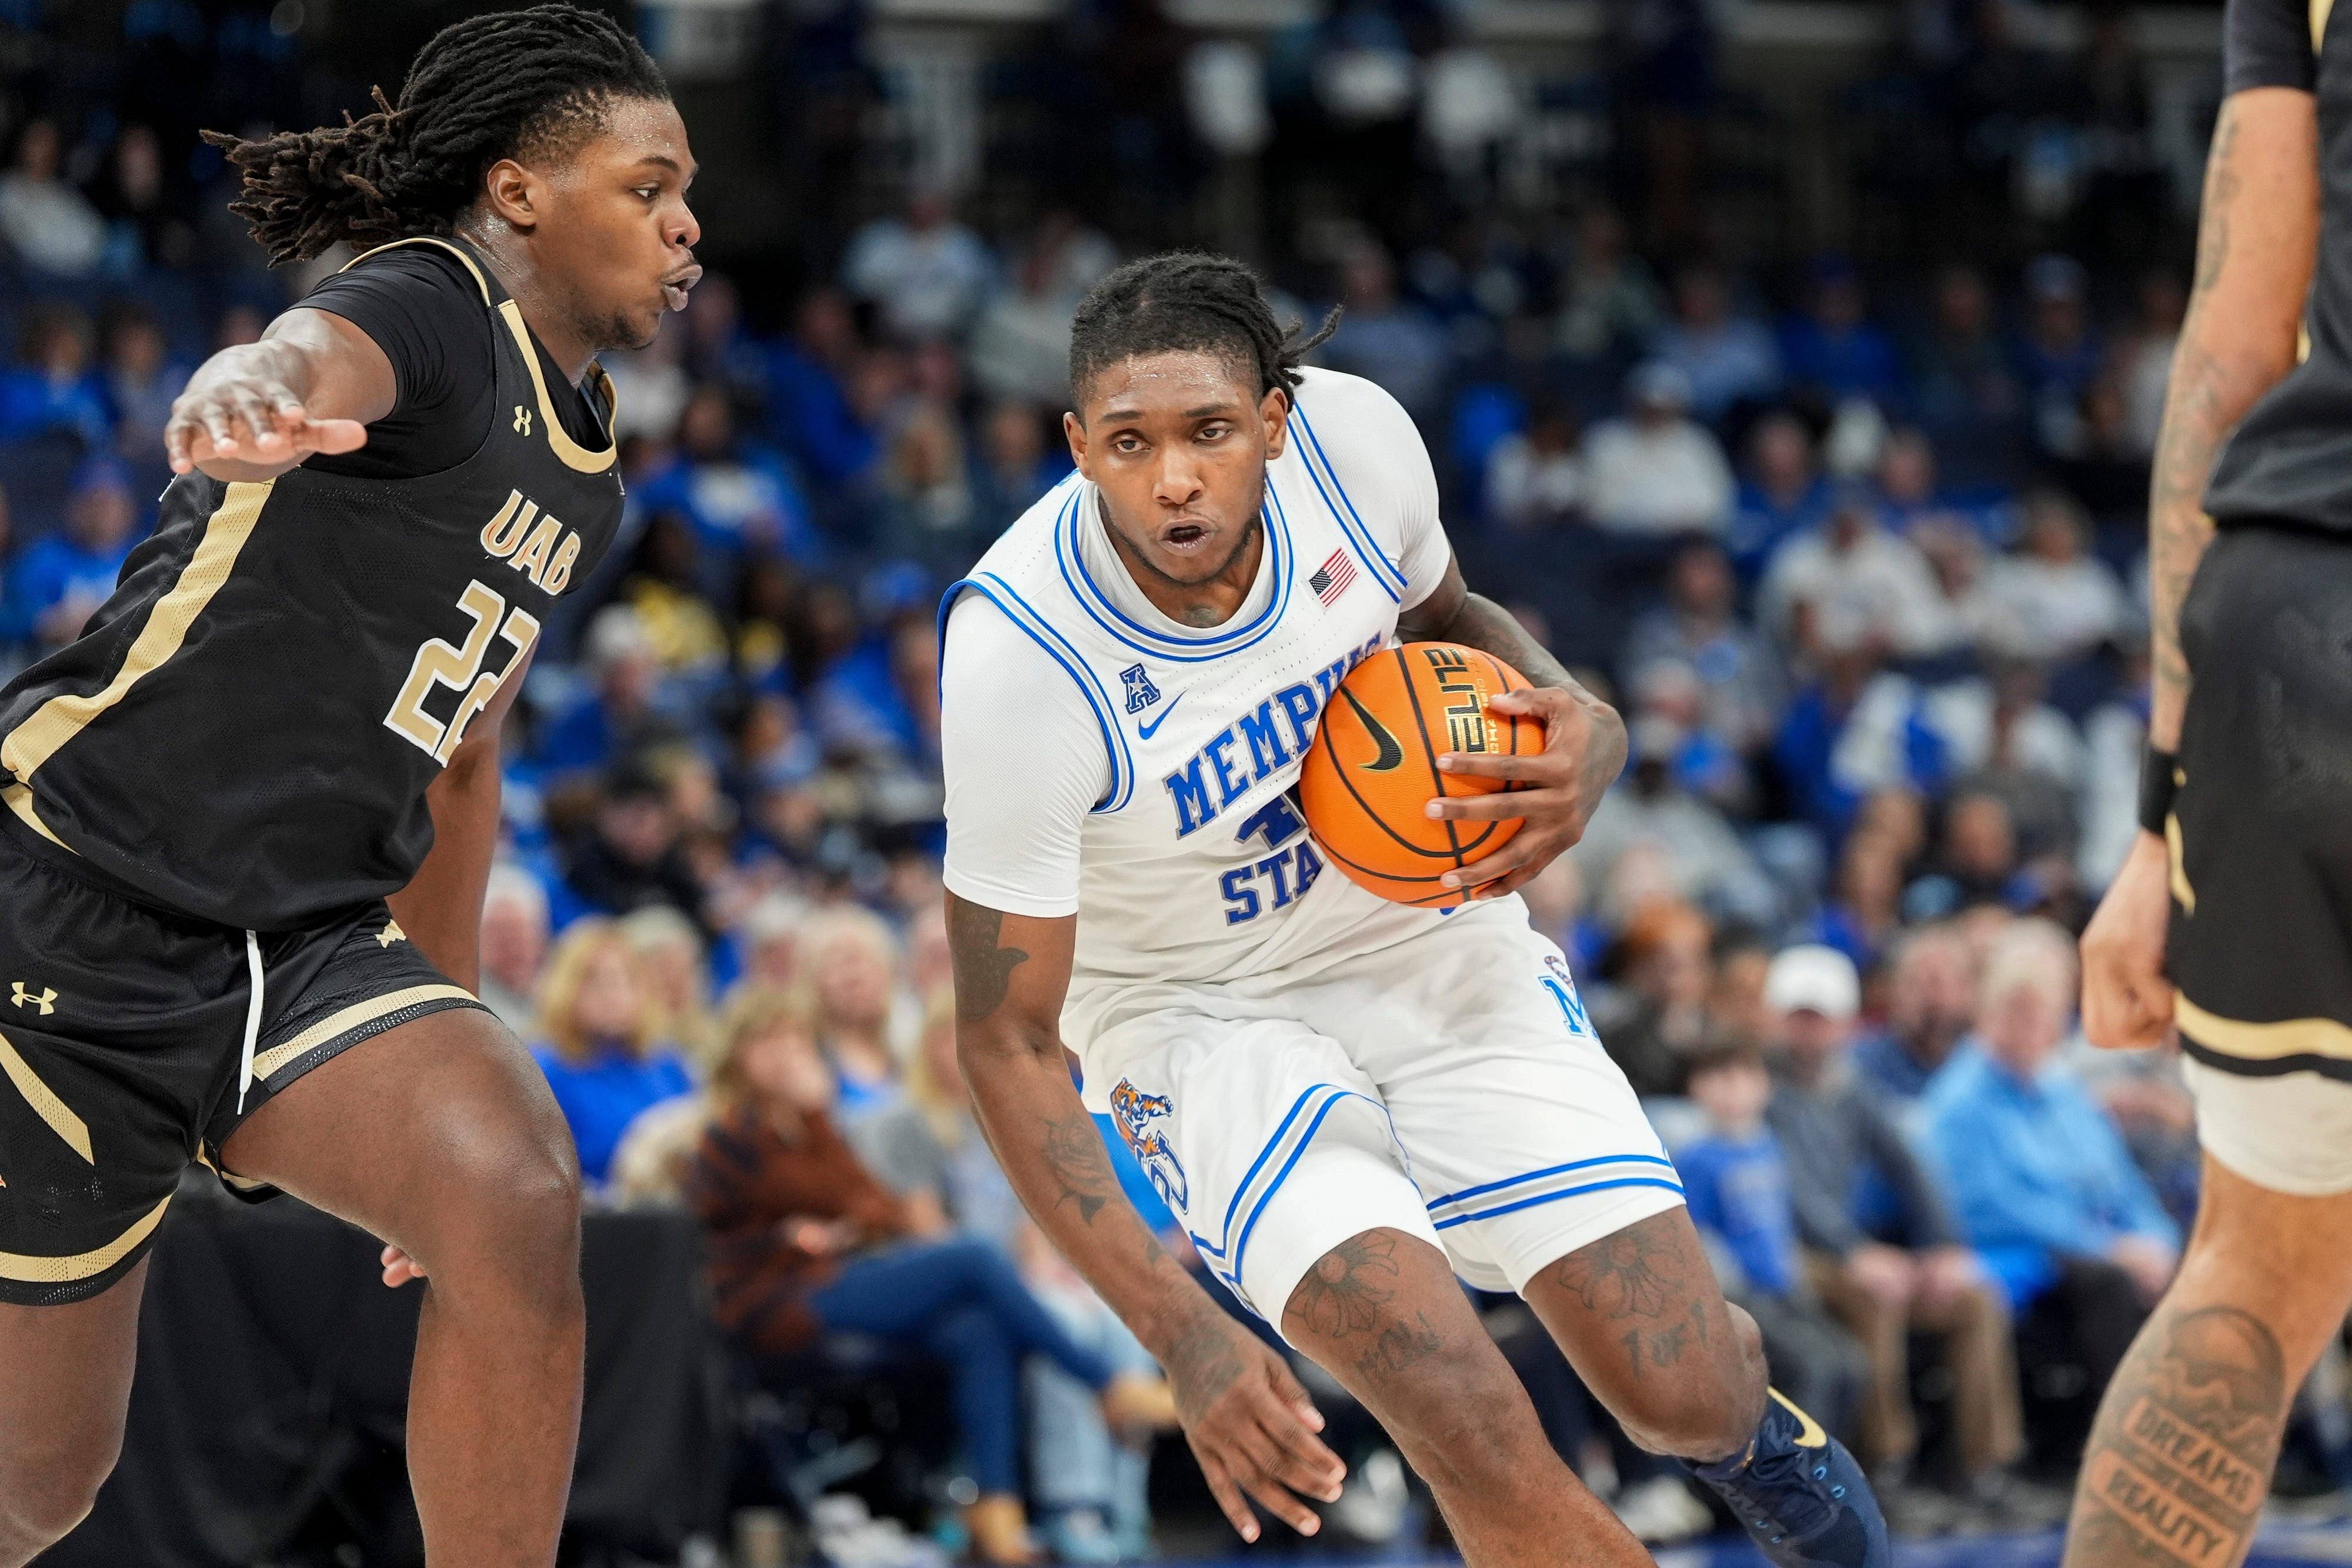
x: 488, y: 87
x: 1188, y: 300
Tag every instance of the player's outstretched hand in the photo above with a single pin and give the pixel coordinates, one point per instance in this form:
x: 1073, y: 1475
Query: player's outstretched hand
x: 250, y: 421
x: 1251, y: 1425
x: 2126, y: 1000
x: 1584, y: 749
x: 399, y: 1268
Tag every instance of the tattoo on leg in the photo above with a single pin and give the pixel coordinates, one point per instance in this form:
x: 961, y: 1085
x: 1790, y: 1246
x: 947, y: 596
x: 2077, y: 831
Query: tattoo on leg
x: 1629, y: 1274
x: 2181, y: 1460
x: 983, y: 970
x: 1072, y: 1150
x: 1400, y: 1347
x: 1662, y: 1347
x: 1348, y: 1285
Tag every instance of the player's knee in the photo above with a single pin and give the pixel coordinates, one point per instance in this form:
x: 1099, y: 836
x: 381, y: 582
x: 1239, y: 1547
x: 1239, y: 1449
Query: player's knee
x: 1485, y: 1442
x: 44, y: 1494
x: 1703, y: 1408
x: 505, y: 1213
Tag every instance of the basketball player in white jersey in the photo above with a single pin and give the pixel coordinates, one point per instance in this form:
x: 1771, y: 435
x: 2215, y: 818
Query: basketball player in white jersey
x: 1347, y: 1101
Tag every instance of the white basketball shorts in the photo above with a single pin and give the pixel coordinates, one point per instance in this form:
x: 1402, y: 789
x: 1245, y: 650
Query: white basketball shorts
x: 1449, y: 1086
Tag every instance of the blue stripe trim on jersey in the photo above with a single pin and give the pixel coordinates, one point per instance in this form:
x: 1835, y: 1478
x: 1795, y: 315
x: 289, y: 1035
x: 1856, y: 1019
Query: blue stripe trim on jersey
x: 1481, y: 1191
x: 1674, y: 1188
x: 1122, y: 767
x: 1162, y: 645
x: 1362, y: 534
x: 1354, y: 543
x: 1123, y: 788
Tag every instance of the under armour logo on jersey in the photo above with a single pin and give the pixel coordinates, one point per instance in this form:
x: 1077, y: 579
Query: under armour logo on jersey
x: 1140, y: 693
x: 47, y: 999
x: 523, y: 419
x: 391, y: 934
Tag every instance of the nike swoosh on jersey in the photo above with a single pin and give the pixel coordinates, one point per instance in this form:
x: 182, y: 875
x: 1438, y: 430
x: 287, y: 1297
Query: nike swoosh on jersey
x: 1809, y: 1433
x: 1148, y: 731
x: 1390, y: 752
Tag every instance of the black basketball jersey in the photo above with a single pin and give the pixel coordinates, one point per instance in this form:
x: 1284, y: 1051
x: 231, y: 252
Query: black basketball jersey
x: 245, y: 730
x: 2291, y: 458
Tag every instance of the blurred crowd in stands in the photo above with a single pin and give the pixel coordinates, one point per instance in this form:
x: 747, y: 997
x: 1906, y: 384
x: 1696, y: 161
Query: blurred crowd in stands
x: 1858, y: 549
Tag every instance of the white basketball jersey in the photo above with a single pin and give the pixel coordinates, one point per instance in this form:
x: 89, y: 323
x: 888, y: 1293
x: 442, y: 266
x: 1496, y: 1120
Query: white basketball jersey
x: 1193, y: 864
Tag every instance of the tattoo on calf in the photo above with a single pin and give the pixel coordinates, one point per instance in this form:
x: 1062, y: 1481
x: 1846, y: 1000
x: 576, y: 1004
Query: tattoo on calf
x: 1344, y: 1292
x: 983, y: 970
x: 1632, y: 1273
x: 2180, y: 1461
x: 1073, y: 1152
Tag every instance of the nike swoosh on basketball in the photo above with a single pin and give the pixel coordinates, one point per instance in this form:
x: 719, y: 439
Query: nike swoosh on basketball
x: 1148, y: 731
x: 1809, y: 1433
x: 1390, y: 752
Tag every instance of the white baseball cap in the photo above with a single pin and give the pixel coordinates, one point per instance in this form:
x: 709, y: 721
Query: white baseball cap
x: 1812, y: 978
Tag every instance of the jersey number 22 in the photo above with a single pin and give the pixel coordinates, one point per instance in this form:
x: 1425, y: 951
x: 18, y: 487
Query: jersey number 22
x: 459, y: 666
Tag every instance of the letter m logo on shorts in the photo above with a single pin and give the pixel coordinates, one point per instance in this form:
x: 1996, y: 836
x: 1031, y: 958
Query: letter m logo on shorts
x: 1135, y: 1112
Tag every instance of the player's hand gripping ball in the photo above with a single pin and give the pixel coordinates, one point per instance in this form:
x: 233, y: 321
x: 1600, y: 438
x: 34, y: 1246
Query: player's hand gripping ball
x: 1367, y: 781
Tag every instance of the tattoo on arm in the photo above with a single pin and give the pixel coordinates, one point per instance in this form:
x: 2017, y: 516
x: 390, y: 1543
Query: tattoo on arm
x: 983, y: 970
x: 2207, y: 394
x: 2181, y: 1460
x: 1072, y: 1148
x: 1482, y: 623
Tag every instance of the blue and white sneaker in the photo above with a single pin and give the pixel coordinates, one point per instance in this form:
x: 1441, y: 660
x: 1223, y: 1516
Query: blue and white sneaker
x: 1800, y: 1496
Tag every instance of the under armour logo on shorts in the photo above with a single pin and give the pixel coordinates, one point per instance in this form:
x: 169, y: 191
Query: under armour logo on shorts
x: 523, y: 419
x: 47, y: 1001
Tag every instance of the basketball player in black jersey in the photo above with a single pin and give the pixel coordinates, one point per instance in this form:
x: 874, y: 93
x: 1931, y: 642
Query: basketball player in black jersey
x: 249, y: 816
x: 2239, y: 891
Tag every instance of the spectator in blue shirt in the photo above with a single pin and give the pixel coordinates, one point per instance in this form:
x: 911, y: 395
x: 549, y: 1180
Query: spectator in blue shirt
x: 53, y: 387
x: 62, y: 580
x: 596, y: 1044
x: 1783, y: 494
x: 621, y: 712
x: 740, y: 497
x: 2039, y: 1176
x: 1834, y: 350
x: 809, y: 407
x: 1735, y: 1181
x: 1730, y: 359
x: 1930, y: 1003
x: 2058, y: 356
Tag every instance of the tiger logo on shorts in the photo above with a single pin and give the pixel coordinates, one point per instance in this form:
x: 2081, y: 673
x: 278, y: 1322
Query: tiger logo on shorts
x: 1135, y: 1112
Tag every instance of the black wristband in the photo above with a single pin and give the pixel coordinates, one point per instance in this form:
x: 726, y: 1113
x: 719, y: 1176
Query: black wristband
x: 2159, y: 779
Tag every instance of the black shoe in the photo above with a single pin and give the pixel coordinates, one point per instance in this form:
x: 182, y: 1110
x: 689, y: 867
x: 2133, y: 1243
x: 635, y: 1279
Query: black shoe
x: 1800, y: 1496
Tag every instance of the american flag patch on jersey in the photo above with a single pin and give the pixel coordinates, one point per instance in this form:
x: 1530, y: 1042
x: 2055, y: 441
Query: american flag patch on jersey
x: 1331, y: 579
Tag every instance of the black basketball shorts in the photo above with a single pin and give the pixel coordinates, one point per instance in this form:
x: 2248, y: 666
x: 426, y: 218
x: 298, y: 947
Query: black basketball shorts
x: 2260, y: 839
x: 122, y: 1027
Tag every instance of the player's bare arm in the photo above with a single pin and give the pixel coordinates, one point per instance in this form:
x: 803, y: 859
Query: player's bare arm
x: 313, y: 383
x: 1584, y: 740
x: 2257, y: 239
x: 1249, y: 1421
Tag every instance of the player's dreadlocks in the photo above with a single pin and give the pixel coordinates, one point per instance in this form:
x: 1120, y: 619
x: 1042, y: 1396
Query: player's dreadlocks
x: 1188, y: 300
x: 488, y: 87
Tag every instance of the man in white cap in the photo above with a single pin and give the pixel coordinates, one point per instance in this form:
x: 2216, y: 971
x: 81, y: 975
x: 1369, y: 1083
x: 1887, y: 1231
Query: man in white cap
x: 1881, y: 1248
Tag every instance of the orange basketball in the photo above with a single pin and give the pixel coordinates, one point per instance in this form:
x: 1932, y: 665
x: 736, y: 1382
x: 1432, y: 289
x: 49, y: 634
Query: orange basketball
x: 1367, y: 780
